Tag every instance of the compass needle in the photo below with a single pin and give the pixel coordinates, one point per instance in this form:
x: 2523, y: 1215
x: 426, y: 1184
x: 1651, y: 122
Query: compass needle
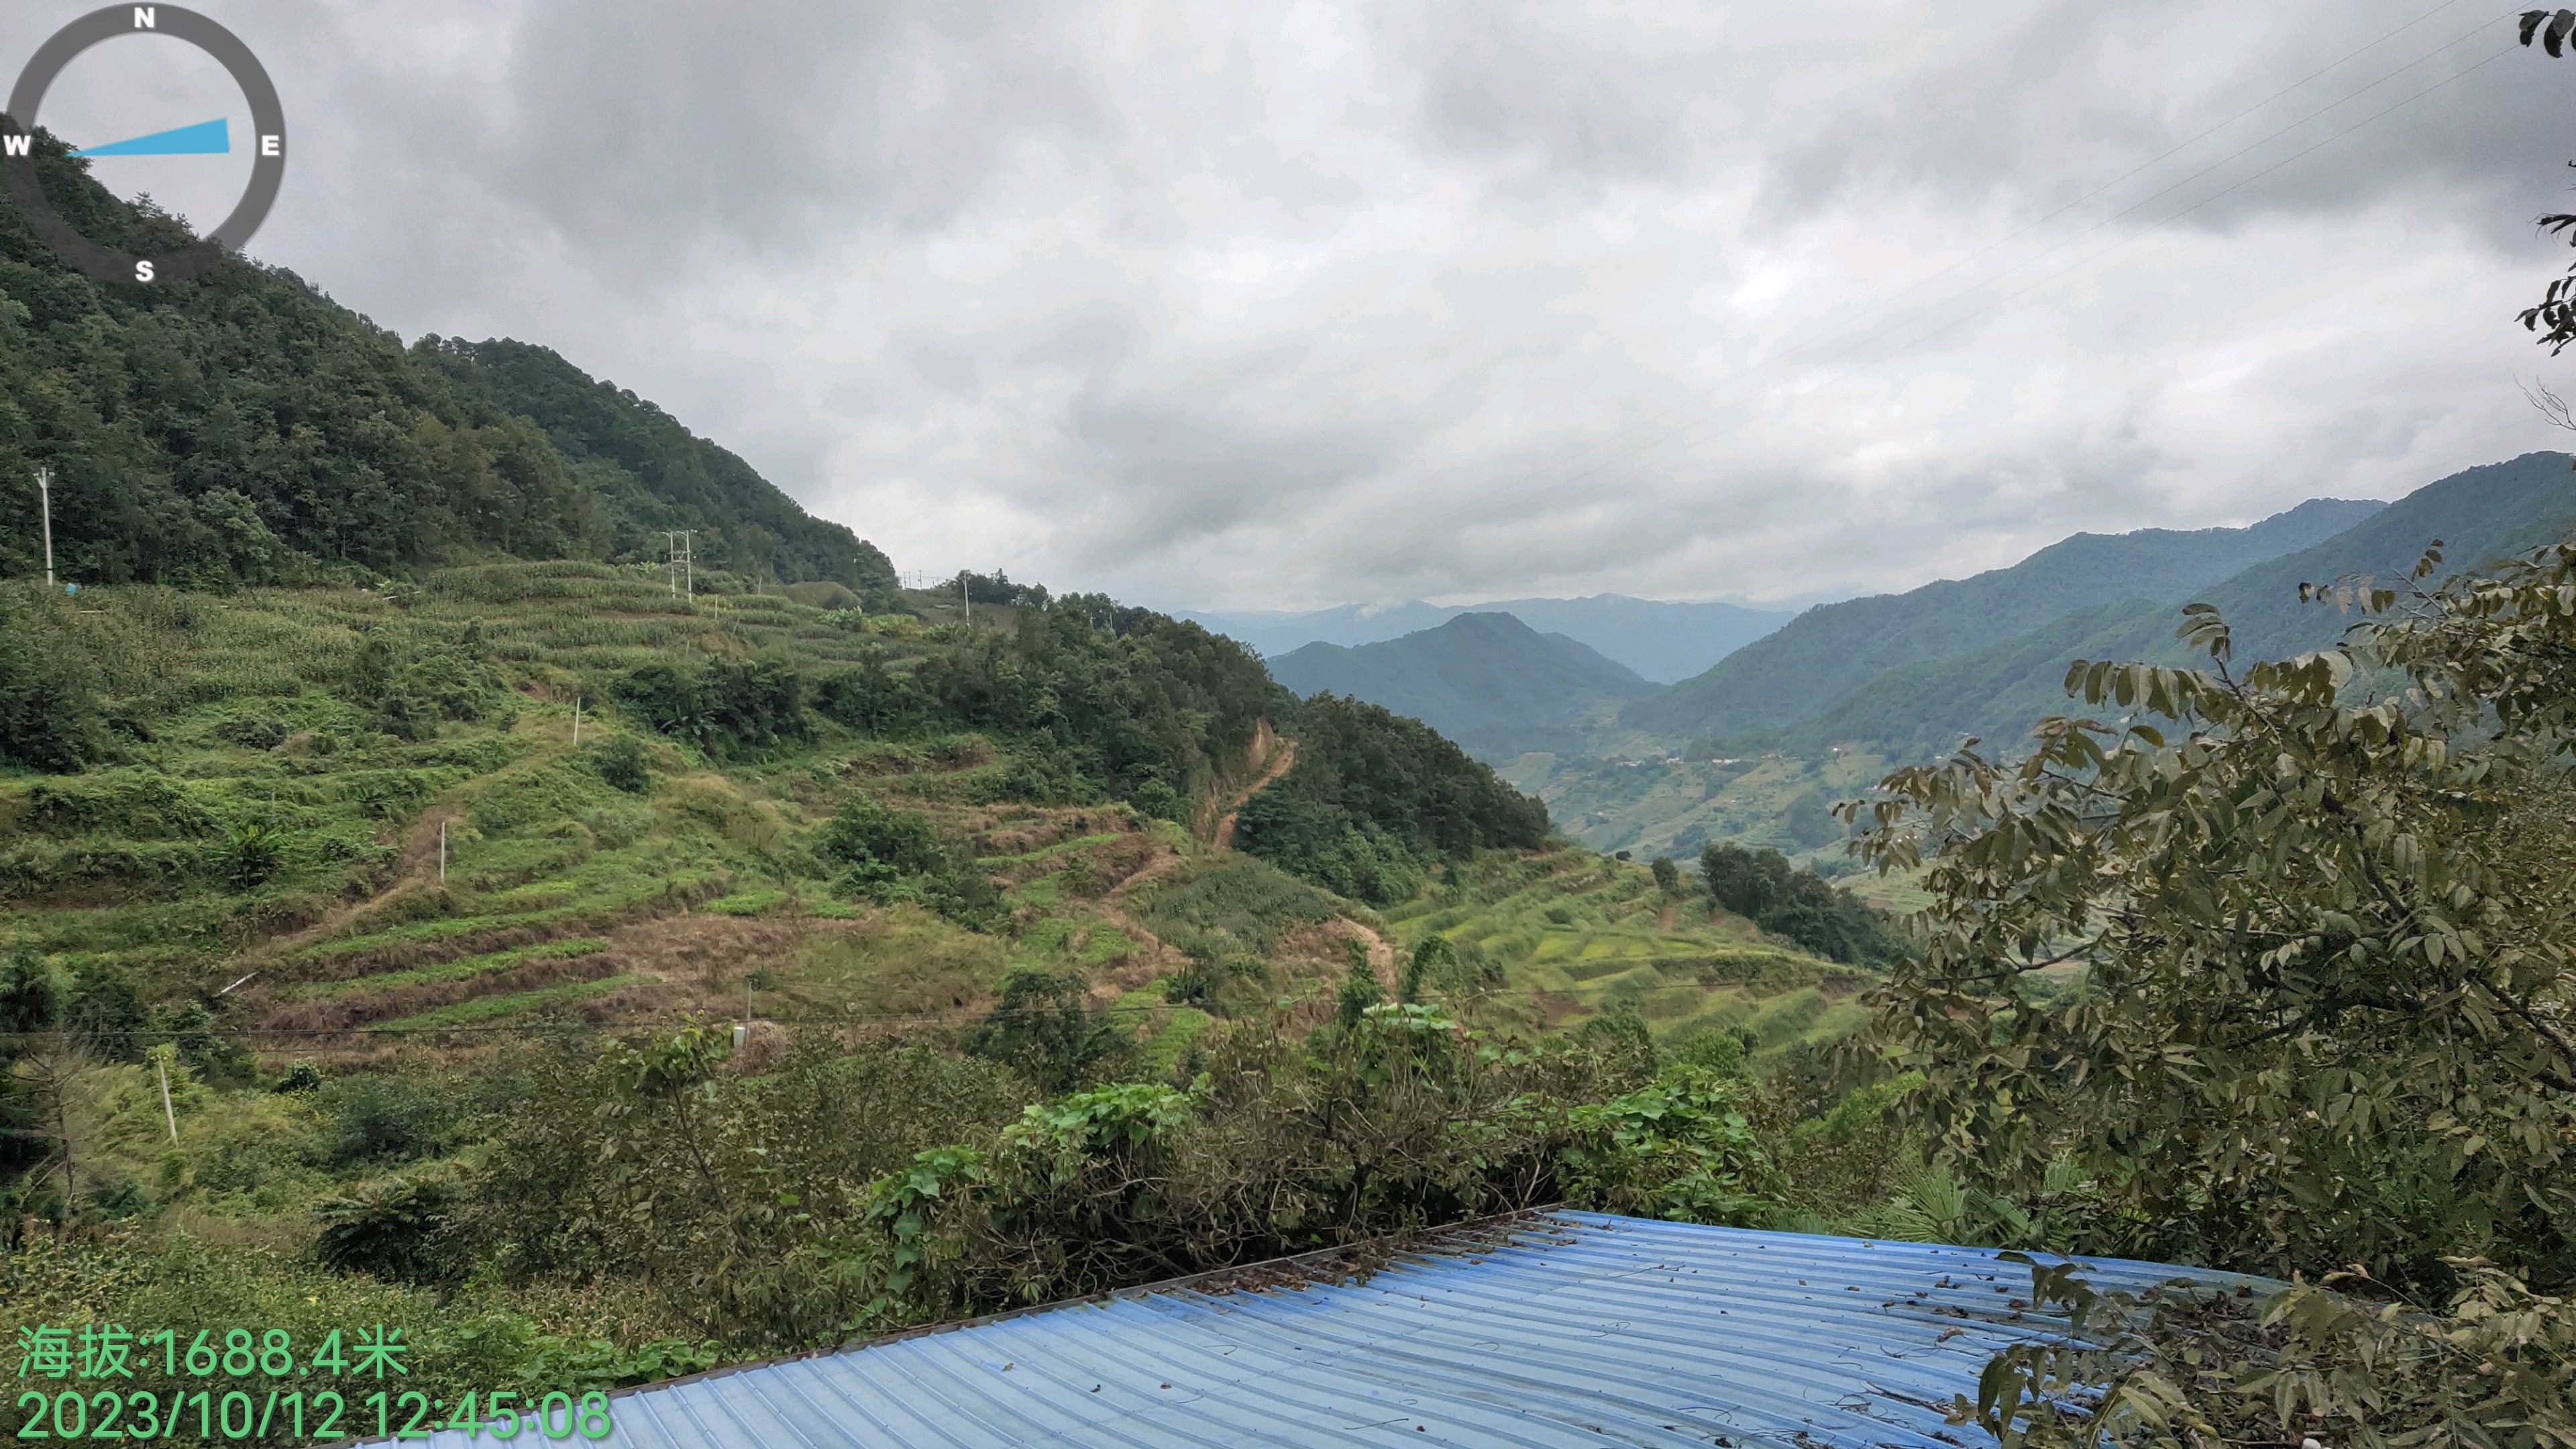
x: 206, y: 138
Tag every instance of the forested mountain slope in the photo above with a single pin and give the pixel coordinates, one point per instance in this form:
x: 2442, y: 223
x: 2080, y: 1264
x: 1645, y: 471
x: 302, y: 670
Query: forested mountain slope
x: 1486, y: 680
x: 244, y: 428
x: 1824, y: 652
x: 1997, y: 692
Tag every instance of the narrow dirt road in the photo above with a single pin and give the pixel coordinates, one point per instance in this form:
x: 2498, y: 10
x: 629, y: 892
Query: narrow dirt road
x: 1280, y: 761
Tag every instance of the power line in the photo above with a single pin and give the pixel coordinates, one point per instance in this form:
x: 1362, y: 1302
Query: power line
x: 885, y: 1019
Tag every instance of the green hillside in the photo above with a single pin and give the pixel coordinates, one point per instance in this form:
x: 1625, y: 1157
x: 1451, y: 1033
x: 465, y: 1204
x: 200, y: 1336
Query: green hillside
x: 1782, y: 777
x: 1824, y: 653
x: 242, y: 428
x: 1486, y: 680
x: 1996, y: 693
x: 1560, y: 939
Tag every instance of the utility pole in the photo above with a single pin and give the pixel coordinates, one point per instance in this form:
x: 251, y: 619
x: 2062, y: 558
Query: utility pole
x: 576, y: 721
x: 966, y: 592
x: 689, y: 563
x: 161, y: 1065
x: 45, y: 491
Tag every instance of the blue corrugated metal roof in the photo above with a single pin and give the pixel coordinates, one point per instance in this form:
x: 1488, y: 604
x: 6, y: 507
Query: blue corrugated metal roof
x: 1562, y: 1329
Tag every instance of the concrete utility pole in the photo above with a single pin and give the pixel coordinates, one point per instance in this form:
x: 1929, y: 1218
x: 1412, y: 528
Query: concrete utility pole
x: 161, y: 1065
x: 689, y: 563
x: 45, y: 491
x: 966, y: 592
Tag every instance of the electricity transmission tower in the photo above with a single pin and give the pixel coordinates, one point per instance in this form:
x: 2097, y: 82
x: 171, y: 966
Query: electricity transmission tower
x: 679, y: 544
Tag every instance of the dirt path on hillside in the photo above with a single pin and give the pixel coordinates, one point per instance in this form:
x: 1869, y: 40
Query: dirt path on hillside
x: 1281, y: 760
x: 1381, y: 954
x: 419, y: 856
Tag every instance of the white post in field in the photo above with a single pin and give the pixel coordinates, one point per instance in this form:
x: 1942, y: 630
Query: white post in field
x: 45, y: 491
x: 161, y: 1064
x: 576, y: 721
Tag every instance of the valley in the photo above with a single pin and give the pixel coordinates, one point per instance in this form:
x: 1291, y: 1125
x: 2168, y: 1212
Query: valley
x: 478, y: 858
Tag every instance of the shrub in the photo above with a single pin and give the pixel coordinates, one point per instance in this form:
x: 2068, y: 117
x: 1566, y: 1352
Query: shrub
x: 395, y: 1229
x: 1797, y: 904
x: 49, y: 712
x: 252, y: 852
x: 253, y: 732
x: 106, y: 1016
x: 880, y: 842
x: 620, y: 761
x: 1398, y: 1121
x: 728, y: 706
x: 379, y: 1118
x: 890, y: 855
x: 1045, y: 1029
x: 734, y: 1197
x: 1681, y: 1147
x: 1157, y: 800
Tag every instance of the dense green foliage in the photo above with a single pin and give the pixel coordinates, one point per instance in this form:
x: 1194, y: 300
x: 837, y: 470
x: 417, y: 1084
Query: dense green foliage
x: 735, y: 1197
x: 2324, y: 1021
x: 1375, y: 799
x: 647, y: 473
x: 49, y: 712
x: 243, y: 428
x: 724, y: 706
x: 1764, y: 888
x: 1047, y: 1030
x: 1106, y: 700
x: 2494, y: 1369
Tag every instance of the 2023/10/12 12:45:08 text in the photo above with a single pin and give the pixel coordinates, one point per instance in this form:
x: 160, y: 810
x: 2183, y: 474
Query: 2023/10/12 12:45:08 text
x: 326, y: 1415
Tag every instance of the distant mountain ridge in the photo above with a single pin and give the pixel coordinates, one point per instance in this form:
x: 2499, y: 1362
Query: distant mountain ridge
x: 1662, y: 640
x: 1486, y: 680
x: 1825, y: 652
x: 2480, y: 515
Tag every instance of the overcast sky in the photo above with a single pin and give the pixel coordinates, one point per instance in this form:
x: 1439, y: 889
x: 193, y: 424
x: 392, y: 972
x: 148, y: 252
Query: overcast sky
x: 1290, y: 304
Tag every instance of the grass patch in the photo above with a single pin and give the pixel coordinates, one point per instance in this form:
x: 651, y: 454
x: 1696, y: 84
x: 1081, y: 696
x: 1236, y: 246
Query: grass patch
x: 460, y: 969
x: 1245, y: 899
x: 1575, y: 935
x: 517, y: 1003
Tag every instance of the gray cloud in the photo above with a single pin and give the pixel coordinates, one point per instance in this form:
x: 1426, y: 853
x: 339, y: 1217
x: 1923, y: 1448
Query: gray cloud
x: 1317, y: 303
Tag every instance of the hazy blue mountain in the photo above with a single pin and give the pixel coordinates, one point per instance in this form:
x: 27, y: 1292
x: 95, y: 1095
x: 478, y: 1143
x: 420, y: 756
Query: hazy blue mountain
x: 1488, y: 681
x: 1276, y: 632
x: 1997, y: 692
x: 1659, y: 639
x: 1826, y: 652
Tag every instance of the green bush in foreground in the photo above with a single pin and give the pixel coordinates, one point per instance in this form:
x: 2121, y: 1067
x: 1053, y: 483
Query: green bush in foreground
x: 2326, y: 1023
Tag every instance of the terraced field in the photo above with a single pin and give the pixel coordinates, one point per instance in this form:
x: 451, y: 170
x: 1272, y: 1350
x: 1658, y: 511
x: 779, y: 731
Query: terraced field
x: 335, y: 889
x: 1572, y: 935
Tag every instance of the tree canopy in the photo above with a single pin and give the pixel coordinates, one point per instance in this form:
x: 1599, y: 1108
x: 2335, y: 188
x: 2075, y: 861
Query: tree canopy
x: 2277, y: 966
